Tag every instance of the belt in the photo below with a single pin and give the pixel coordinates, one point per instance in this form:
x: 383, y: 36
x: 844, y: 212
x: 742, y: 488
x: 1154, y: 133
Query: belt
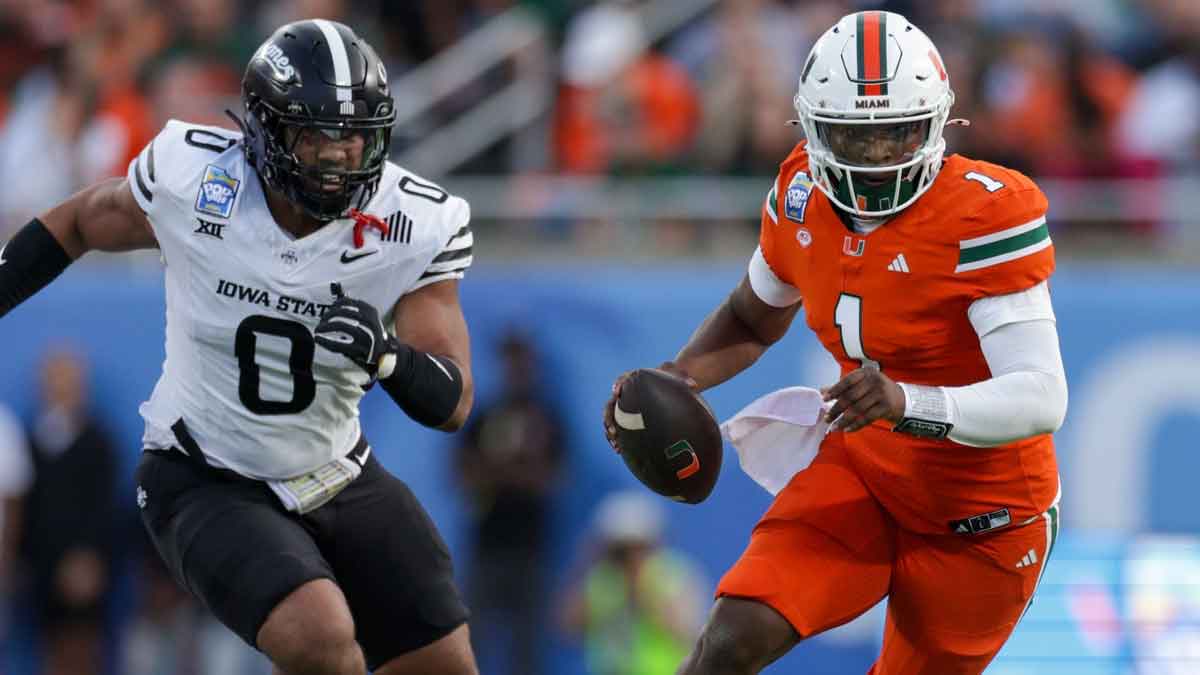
x: 191, y: 449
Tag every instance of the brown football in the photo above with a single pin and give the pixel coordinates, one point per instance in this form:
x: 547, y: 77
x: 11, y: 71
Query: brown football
x: 668, y: 436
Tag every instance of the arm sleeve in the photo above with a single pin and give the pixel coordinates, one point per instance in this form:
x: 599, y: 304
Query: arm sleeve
x: 1027, y: 393
x: 767, y: 286
x: 767, y: 270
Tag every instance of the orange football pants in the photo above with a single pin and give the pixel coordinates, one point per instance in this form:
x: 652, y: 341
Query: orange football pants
x: 826, y: 551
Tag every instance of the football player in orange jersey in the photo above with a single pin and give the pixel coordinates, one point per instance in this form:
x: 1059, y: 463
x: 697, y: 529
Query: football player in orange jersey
x: 925, y: 276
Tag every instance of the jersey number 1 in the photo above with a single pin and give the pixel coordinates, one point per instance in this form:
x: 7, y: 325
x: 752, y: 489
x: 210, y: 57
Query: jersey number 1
x: 300, y: 364
x: 847, y: 316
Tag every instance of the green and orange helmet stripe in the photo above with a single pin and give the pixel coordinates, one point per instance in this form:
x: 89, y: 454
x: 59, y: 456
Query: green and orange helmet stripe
x: 872, y: 53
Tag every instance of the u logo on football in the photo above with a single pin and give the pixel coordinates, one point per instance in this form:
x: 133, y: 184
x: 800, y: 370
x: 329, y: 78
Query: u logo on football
x: 684, y: 448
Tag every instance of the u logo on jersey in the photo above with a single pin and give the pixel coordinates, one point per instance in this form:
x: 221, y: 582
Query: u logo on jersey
x: 796, y: 201
x: 853, y: 246
x: 217, y: 192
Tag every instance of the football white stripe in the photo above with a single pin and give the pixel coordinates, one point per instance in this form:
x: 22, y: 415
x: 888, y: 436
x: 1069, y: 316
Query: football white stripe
x: 1004, y: 257
x: 341, y: 59
x: 1002, y: 234
x: 626, y: 420
x: 441, y: 367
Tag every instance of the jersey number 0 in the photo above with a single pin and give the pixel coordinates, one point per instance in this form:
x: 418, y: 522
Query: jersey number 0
x: 300, y: 364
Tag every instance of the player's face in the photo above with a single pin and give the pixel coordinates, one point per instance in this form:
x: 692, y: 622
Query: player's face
x: 332, y: 150
x: 871, y: 145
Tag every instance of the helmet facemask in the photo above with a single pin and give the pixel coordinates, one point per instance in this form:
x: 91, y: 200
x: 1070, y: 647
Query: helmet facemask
x: 324, y: 167
x: 886, y: 159
x: 877, y: 165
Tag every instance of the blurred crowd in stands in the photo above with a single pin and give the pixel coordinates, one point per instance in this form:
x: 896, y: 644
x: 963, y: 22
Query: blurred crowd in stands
x: 1078, y: 89
x: 1057, y: 88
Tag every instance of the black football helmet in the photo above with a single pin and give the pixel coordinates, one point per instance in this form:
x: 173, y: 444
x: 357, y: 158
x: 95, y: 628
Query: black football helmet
x: 316, y: 79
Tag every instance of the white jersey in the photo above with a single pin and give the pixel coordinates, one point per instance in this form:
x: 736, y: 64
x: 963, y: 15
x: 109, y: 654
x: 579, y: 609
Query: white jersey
x: 243, y: 297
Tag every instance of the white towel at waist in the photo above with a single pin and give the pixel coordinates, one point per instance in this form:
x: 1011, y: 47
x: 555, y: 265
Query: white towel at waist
x: 777, y: 435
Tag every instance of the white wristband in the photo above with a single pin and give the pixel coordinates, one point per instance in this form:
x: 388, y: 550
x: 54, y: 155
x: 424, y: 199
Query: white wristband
x: 926, y: 411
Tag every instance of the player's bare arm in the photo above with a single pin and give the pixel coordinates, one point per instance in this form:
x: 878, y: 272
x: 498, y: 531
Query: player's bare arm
x: 727, y: 342
x: 733, y: 337
x: 102, y: 217
x: 430, y: 320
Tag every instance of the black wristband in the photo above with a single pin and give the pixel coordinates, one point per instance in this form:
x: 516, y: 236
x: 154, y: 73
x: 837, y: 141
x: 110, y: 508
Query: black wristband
x: 28, y: 263
x: 425, y: 386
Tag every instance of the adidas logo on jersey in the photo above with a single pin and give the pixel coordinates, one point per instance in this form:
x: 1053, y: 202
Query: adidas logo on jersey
x: 899, y: 264
x: 1029, y: 559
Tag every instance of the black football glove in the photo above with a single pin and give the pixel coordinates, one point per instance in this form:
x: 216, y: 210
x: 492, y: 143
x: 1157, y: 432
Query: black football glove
x: 353, y: 329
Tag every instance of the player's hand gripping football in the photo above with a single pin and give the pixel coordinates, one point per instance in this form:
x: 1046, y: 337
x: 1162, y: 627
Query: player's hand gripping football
x: 861, y: 397
x: 610, y: 424
x: 353, y: 329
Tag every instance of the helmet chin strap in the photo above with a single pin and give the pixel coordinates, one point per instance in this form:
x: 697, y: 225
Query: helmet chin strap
x: 238, y: 121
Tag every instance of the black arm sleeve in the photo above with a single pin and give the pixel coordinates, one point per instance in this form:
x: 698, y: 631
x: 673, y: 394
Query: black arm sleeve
x: 425, y: 386
x: 30, y: 261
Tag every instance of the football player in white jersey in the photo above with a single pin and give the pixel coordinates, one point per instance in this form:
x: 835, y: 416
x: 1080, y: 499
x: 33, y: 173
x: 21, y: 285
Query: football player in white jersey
x: 301, y: 269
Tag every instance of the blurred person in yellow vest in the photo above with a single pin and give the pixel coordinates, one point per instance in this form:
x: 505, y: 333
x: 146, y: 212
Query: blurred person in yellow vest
x: 637, y: 605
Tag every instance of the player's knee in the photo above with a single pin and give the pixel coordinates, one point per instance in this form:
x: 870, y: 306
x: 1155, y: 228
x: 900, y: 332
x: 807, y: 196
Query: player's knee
x: 741, y: 637
x: 323, y: 656
x: 312, y: 633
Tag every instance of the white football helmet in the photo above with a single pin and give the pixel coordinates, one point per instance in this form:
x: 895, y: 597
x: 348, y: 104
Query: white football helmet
x: 873, y: 100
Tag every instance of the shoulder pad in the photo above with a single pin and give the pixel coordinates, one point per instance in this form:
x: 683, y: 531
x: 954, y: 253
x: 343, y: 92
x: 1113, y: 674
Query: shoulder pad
x: 190, y: 164
x: 999, y: 233
x: 981, y: 199
x: 435, y: 214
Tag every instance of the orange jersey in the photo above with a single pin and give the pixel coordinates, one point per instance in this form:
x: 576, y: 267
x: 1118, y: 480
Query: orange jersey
x: 899, y: 296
